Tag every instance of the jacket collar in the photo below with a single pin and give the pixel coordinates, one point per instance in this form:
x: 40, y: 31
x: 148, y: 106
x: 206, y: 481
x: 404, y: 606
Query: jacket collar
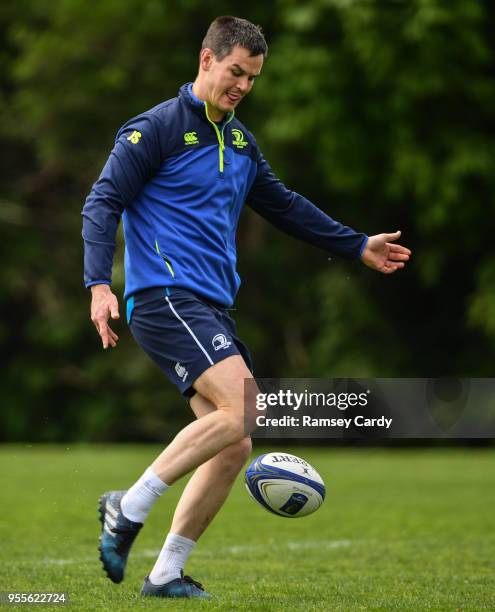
x: 195, y: 104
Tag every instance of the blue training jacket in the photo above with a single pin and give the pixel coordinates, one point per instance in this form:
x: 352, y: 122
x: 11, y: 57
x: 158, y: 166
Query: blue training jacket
x: 179, y: 181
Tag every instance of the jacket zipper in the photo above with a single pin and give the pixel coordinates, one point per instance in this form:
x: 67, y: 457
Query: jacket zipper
x: 220, y: 136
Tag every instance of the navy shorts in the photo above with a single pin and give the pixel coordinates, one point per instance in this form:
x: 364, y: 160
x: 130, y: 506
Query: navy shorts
x: 183, y: 333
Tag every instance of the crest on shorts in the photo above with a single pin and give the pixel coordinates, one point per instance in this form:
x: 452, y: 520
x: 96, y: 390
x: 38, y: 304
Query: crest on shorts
x: 220, y: 342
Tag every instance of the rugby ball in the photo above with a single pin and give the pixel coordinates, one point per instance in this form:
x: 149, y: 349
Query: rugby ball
x: 285, y: 484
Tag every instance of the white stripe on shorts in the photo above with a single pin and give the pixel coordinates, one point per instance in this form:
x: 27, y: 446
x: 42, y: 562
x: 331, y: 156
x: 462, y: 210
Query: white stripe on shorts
x: 189, y: 330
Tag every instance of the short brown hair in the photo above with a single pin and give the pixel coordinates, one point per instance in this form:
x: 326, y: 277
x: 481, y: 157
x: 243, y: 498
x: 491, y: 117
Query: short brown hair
x: 226, y: 32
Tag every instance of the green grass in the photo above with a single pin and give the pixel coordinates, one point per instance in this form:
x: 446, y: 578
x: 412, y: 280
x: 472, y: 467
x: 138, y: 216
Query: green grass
x: 400, y: 529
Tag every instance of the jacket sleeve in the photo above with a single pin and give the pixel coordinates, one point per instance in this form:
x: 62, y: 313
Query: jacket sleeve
x: 298, y: 217
x: 134, y: 159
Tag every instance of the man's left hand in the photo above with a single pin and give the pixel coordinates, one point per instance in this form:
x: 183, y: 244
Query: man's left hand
x: 382, y: 255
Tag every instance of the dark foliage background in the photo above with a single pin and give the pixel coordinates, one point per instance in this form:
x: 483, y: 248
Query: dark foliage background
x: 381, y: 112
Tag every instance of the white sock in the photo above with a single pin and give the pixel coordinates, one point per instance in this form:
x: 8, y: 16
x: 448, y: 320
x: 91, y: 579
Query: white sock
x: 139, y: 499
x: 171, y: 559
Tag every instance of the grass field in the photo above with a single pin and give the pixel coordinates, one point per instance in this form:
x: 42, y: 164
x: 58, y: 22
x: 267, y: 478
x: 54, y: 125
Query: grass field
x: 400, y: 529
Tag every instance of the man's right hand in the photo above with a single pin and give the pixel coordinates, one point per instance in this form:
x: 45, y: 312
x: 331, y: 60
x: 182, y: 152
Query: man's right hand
x: 104, y: 304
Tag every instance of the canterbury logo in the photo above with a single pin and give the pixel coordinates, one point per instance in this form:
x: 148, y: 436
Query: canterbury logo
x: 134, y: 137
x: 238, y: 141
x: 190, y: 138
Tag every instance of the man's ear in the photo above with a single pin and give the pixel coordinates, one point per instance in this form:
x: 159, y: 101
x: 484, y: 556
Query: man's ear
x: 206, y: 58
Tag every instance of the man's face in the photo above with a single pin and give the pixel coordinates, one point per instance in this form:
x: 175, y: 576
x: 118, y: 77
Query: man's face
x: 230, y: 79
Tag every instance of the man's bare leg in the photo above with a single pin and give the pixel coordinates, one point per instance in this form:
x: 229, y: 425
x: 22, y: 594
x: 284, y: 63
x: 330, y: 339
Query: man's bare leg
x: 210, y: 485
x: 222, y: 425
x: 223, y: 386
x: 202, y: 498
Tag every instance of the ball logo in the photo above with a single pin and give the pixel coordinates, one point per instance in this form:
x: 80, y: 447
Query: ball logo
x: 220, y: 342
x: 295, y: 502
